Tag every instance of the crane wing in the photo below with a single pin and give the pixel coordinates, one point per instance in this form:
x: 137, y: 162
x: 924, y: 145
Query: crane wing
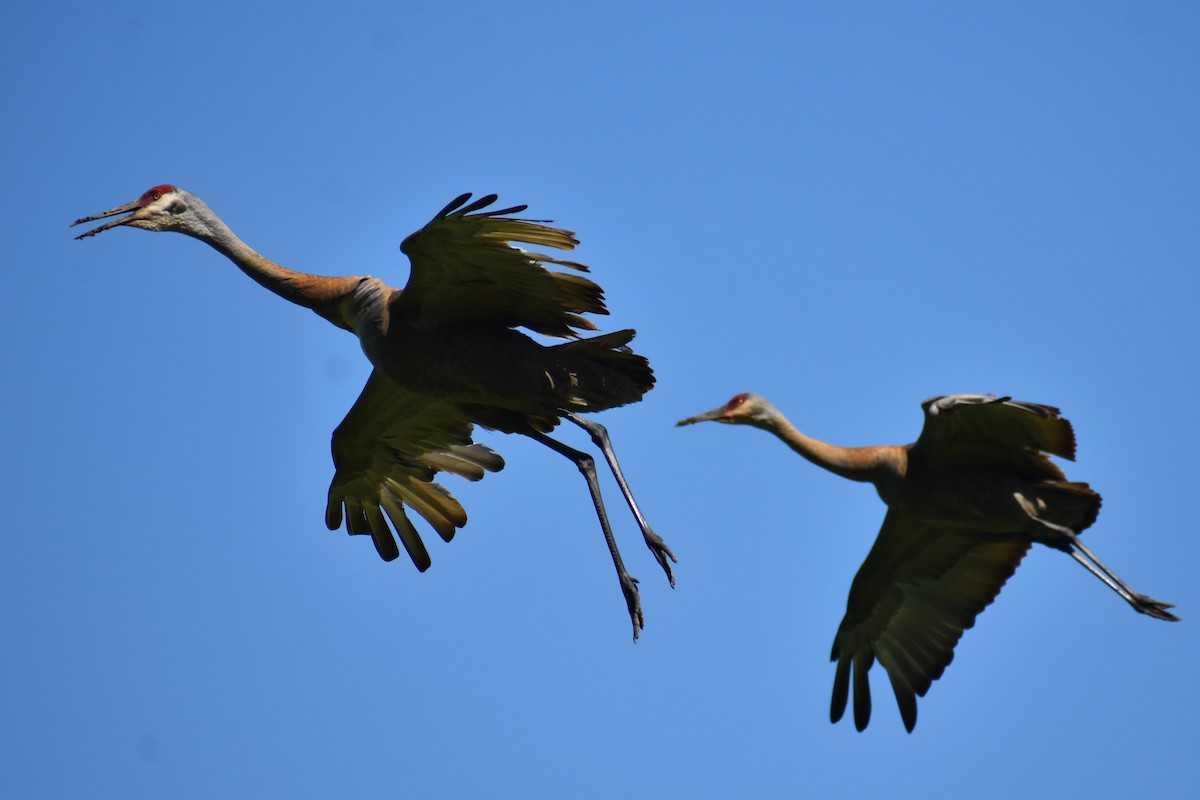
x: 467, y: 267
x: 985, y: 429
x: 920, y: 587
x: 386, y: 453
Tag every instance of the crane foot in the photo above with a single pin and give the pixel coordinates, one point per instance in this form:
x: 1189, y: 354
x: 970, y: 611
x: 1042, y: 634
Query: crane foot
x: 661, y: 552
x: 629, y: 587
x: 1152, y: 607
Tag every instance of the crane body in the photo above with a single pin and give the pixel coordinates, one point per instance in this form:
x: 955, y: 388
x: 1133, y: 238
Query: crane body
x: 447, y: 355
x: 965, y: 503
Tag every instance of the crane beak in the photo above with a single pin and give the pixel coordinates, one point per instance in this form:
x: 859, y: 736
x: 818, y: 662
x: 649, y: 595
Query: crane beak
x: 716, y: 414
x: 128, y: 207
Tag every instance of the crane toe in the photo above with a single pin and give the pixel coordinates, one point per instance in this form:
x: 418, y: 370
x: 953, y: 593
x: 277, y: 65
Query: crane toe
x: 633, y: 601
x: 1154, y: 608
x: 662, y: 553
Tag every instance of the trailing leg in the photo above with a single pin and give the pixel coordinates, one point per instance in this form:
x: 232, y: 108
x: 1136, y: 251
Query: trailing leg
x: 587, y: 466
x: 600, y: 438
x: 1063, y: 538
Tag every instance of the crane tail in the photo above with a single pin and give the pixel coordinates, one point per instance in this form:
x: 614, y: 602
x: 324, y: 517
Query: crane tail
x: 602, y: 372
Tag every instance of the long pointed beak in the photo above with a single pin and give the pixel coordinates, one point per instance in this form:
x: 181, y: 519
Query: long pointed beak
x: 132, y: 206
x: 715, y: 414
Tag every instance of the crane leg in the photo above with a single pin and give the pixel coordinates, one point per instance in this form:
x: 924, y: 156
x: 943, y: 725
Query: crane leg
x: 1068, y: 541
x: 587, y: 466
x: 655, y: 542
x: 1140, y: 602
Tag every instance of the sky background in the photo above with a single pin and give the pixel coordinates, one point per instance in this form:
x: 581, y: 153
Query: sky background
x: 844, y: 207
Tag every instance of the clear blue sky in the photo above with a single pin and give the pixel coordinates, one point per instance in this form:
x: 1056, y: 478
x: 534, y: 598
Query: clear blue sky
x: 844, y: 207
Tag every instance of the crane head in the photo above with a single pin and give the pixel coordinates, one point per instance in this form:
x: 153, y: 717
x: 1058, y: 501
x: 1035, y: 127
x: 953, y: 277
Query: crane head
x: 742, y: 409
x: 162, y: 208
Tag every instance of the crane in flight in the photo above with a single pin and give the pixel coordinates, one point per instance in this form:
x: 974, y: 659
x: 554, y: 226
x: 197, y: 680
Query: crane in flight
x: 965, y: 503
x: 447, y: 355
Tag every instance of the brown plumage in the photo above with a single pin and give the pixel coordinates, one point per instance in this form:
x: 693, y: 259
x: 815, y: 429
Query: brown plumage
x: 965, y: 503
x: 448, y: 355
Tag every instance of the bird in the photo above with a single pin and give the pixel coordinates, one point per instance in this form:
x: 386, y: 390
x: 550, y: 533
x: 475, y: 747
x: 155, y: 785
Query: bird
x: 447, y: 354
x: 965, y: 502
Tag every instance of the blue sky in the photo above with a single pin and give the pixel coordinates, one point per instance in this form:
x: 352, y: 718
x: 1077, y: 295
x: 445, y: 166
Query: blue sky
x: 844, y: 207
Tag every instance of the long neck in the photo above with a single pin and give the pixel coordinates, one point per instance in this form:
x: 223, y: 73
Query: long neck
x: 879, y: 465
x: 323, y: 295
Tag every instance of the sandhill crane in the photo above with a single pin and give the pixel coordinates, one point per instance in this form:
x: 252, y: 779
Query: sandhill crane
x: 965, y: 502
x: 447, y: 355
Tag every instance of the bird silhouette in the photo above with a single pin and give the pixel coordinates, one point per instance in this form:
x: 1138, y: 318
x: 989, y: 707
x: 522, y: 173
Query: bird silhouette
x: 965, y: 503
x: 447, y: 355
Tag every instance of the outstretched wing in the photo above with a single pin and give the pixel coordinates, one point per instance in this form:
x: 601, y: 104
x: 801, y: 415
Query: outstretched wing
x: 984, y: 429
x: 467, y: 267
x: 920, y: 587
x: 386, y: 452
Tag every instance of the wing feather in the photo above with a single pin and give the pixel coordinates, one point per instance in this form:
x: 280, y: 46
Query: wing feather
x: 404, y: 529
x: 387, y: 452
x: 467, y: 268
x: 984, y: 429
x: 469, y: 462
x: 919, y: 588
